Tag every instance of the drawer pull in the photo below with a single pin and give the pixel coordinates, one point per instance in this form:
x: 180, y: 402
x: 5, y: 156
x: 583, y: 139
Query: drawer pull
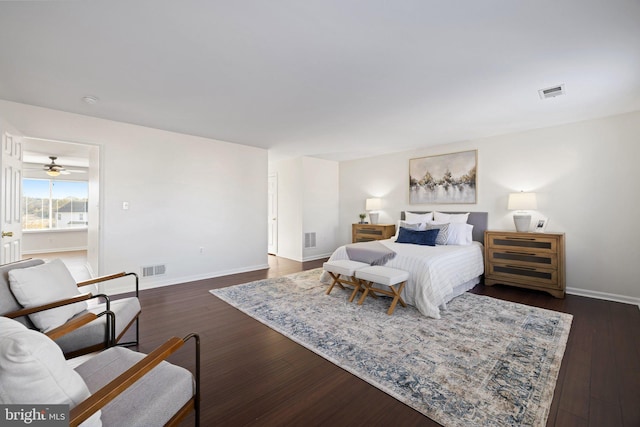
x: 520, y: 267
x: 520, y: 253
x: 520, y: 238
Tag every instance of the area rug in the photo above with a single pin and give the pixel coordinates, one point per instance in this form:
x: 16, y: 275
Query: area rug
x: 485, y: 362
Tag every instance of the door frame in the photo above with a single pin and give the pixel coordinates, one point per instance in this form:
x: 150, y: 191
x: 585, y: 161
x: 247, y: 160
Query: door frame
x: 95, y: 198
x: 11, y: 198
x: 272, y: 212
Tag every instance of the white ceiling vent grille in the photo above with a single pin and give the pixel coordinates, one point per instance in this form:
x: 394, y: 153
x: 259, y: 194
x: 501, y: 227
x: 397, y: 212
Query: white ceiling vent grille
x: 309, y: 240
x: 551, y: 92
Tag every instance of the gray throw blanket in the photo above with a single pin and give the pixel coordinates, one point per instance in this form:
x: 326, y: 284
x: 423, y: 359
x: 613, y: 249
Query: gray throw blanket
x: 373, y: 253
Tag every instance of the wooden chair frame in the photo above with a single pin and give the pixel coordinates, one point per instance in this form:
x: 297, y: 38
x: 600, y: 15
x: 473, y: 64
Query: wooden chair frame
x: 110, y: 338
x: 119, y: 384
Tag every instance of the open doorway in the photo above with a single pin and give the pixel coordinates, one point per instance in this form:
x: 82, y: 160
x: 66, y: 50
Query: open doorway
x: 60, y: 202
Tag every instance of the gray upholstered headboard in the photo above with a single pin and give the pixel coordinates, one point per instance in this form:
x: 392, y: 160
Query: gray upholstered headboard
x: 479, y: 220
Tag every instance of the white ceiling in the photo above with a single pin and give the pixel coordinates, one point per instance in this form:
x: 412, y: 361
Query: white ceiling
x: 336, y: 79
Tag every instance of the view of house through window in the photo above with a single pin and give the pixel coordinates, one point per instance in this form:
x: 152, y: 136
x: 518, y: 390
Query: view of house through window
x: 49, y: 204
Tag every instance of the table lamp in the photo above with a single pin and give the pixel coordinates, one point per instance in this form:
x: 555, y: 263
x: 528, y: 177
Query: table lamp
x: 371, y: 206
x: 522, y: 202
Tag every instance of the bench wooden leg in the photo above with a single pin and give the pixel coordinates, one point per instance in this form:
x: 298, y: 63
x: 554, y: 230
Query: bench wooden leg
x: 336, y: 280
x: 356, y: 288
x: 367, y: 286
x: 368, y: 290
x: 396, y: 298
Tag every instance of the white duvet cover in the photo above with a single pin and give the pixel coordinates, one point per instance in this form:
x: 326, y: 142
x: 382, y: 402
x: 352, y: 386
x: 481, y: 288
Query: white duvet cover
x: 434, y: 271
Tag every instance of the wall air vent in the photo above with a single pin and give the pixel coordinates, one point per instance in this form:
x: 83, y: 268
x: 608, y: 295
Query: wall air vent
x: 551, y: 92
x: 309, y: 240
x: 154, y: 270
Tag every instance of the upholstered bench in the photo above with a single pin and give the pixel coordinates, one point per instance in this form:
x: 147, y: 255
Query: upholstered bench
x: 344, y: 267
x: 386, y: 276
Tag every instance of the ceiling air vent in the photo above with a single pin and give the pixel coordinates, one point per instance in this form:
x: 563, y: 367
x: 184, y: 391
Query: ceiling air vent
x: 551, y: 92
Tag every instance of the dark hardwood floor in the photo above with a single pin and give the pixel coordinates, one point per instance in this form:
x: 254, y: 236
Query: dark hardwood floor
x: 251, y: 375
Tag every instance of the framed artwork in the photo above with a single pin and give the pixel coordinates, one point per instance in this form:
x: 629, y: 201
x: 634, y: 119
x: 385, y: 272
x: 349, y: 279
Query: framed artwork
x: 446, y: 178
x: 541, y: 225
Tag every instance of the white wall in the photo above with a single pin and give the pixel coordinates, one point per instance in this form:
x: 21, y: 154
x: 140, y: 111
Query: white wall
x: 307, y: 202
x: 585, y: 177
x: 321, y: 205
x: 53, y: 241
x: 184, y: 193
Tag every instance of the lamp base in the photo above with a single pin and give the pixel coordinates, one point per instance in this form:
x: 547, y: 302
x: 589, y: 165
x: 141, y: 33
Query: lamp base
x: 373, y: 217
x: 523, y: 222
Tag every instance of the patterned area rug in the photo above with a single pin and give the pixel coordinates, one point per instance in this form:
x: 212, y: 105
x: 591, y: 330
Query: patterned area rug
x: 485, y: 362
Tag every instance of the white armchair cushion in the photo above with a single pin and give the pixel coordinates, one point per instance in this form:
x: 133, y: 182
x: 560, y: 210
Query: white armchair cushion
x: 33, y: 370
x: 43, y: 284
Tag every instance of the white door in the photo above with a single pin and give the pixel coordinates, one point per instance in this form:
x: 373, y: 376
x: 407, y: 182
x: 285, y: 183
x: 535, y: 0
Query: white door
x: 273, y: 214
x: 10, y: 198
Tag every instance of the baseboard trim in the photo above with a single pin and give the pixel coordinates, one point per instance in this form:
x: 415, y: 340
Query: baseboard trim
x: 151, y: 284
x: 305, y: 259
x: 604, y: 295
x: 315, y: 257
x: 48, y: 251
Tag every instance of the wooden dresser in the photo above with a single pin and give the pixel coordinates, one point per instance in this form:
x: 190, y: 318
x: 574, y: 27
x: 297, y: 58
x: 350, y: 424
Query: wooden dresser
x: 526, y: 260
x: 368, y: 232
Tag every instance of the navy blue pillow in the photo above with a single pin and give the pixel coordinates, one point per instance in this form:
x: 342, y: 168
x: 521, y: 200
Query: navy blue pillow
x: 427, y: 238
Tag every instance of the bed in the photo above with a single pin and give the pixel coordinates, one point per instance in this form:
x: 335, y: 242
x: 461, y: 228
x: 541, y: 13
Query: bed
x: 437, y: 274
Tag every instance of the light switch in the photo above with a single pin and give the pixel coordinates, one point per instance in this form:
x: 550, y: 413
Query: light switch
x: 125, y: 206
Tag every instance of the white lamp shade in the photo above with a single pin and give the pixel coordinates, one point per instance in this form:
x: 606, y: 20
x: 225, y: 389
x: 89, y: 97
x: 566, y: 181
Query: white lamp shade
x: 373, y: 204
x: 522, y: 201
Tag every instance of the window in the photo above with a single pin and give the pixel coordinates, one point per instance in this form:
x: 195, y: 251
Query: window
x: 50, y: 205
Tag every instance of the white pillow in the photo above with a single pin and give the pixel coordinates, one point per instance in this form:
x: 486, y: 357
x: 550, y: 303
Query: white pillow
x: 33, y: 371
x: 43, y: 284
x: 414, y: 218
x: 443, y: 217
x: 460, y: 234
x: 410, y: 226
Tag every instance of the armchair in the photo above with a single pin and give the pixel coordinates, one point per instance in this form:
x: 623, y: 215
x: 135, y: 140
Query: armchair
x: 44, y: 296
x: 116, y: 387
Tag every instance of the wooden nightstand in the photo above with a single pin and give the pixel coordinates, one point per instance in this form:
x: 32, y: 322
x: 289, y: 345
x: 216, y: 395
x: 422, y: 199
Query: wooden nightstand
x: 526, y: 260
x: 368, y: 232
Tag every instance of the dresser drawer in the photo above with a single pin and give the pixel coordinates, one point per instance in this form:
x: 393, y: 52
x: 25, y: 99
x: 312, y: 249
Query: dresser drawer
x: 523, y: 243
x: 523, y: 257
x: 361, y: 238
x: 368, y: 232
x: 514, y: 273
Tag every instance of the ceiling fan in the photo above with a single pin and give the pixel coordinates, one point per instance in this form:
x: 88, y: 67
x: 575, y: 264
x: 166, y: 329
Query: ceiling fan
x: 54, y: 169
